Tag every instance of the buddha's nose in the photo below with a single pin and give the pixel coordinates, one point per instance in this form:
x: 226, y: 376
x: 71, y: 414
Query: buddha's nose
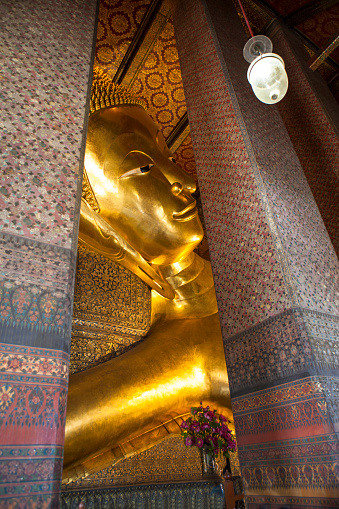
x: 176, y: 188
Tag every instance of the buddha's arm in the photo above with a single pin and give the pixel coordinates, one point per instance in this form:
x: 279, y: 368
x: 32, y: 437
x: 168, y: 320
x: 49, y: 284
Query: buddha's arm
x: 97, y: 234
x: 178, y: 365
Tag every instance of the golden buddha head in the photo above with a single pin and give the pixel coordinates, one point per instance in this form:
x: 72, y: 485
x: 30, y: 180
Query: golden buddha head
x: 139, y: 190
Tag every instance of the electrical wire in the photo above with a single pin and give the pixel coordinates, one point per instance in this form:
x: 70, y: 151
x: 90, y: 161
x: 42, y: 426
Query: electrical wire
x: 247, y: 22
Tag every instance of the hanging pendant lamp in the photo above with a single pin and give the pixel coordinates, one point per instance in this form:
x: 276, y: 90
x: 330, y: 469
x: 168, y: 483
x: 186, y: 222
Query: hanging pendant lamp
x: 266, y: 74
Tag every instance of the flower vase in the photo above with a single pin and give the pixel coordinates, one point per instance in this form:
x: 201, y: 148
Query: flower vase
x: 207, y: 462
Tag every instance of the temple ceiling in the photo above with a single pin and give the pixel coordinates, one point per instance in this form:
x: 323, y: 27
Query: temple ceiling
x: 136, y: 48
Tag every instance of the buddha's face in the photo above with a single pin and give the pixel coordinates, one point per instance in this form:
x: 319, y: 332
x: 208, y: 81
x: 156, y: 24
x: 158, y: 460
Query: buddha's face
x: 140, y: 190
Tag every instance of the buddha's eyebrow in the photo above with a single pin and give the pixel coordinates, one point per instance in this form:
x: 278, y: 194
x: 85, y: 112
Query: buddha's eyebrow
x: 133, y: 152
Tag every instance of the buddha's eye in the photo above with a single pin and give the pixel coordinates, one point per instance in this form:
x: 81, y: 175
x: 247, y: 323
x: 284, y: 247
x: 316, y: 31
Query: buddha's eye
x: 137, y: 171
x: 172, y: 159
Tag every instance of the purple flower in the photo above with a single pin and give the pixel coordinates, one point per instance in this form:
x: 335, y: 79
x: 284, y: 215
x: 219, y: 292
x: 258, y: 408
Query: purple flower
x: 184, y: 425
x: 222, y: 418
x: 225, y: 432
x: 209, y: 415
x: 195, y: 427
x: 204, y: 426
x: 199, y: 442
x: 188, y: 441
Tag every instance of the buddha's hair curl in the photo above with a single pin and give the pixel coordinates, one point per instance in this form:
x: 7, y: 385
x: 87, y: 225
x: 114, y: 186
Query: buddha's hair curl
x: 107, y: 94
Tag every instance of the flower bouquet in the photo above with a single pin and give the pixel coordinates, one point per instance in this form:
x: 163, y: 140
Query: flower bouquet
x: 205, y: 429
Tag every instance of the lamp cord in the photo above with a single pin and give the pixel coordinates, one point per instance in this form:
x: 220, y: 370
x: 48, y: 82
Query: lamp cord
x: 247, y: 22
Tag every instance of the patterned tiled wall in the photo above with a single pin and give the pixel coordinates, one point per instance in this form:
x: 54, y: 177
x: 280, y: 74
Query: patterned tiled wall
x: 311, y: 116
x: 275, y: 269
x: 46, y: 49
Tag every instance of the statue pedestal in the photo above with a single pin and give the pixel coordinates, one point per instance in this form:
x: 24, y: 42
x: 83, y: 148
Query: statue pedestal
x: 202, y: 494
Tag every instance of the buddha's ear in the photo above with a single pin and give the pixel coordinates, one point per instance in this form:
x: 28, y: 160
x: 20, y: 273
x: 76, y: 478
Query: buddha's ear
x: 96, y: 234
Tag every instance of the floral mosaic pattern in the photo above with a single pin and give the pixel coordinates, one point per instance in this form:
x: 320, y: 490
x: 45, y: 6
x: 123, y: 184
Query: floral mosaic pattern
x: 32, y: 387
x: 43, y: 115
x: 14, y: 361
x: 282, y: 465
x: 31, y: 365
x: 320, y: 170
x: 32, y: 412
x: 35, y: 289
x: 7, y: 395
x: 27, y: 406
x: 283, y: 394
x: 307, y: 502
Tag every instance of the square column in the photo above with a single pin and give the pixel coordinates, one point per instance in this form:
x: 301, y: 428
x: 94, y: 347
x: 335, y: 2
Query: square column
x: 311, y: 116
x: 46, y: 53
x: 274, y: 265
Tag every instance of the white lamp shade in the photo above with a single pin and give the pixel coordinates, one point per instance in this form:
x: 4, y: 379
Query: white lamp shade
x: 268, y: 78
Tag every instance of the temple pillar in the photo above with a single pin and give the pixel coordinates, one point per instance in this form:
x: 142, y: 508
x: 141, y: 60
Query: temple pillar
x: 274, y: 266
x: 311, y: 116
x: 46, y: 53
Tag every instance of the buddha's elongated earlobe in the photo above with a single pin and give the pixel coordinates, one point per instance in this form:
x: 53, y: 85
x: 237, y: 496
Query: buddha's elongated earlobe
x: 96, y: 234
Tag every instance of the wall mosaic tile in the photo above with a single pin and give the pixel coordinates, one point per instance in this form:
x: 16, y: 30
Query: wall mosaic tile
x: 43, y: 105
x: 275, y: 349
x: 323, y: 333
x: 293, y: 343
x: 318, y: 146
x: 33, y: 383
x: 165, y: 97
x: 25, y: 361
x: 311, y: 476
x: 285, y: 394
x: 286, y: 437
x: 29, y: 470
x: 296, y: 502
x: 32, y: 501
x: 35, y: 303
x: 118, y: 23
x: 294, y: 409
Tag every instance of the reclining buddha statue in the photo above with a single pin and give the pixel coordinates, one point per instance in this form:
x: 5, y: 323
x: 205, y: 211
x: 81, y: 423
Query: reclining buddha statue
x: 138, y: 210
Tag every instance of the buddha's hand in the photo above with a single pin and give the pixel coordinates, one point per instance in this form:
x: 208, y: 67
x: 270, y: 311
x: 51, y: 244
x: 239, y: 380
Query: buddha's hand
x: 99, y: 236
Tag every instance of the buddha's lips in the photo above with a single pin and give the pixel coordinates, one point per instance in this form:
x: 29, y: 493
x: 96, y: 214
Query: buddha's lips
x: 187, y: 213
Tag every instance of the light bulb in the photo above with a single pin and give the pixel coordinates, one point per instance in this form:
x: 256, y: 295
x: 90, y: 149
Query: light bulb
x: 268, y: 78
